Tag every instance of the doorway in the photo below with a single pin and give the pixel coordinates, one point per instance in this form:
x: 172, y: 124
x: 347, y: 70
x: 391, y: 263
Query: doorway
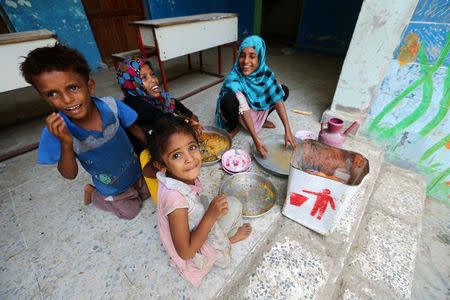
x: 109, y: 23
x: 280, y: 20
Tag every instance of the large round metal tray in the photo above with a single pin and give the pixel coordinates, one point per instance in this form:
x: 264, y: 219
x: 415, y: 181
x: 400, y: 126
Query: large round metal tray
x: 256, y: 193
x: 278, y: 157
x: 223, y: 133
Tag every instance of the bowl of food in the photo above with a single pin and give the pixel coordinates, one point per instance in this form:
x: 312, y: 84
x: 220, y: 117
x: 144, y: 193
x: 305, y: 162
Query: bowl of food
x: 256, y: 193
x: 213, y: 143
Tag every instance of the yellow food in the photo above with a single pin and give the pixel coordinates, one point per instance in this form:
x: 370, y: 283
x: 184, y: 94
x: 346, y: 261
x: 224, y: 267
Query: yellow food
x: 214, y: 144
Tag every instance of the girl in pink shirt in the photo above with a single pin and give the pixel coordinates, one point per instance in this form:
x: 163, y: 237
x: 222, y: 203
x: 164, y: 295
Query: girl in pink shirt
x: 195, y: 239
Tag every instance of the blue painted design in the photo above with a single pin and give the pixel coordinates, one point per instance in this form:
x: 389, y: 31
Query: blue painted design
x: 432, y: 11
x: 432, y: 36
x: 64, y: 17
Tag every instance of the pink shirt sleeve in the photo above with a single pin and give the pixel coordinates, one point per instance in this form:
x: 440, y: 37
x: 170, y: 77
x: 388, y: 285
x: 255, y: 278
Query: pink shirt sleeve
x: 243, y: 105
x: 175, y: 200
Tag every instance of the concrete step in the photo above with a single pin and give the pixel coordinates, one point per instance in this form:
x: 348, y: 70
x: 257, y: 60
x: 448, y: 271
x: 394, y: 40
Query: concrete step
x: 382, y: 258
x: 293, y: 262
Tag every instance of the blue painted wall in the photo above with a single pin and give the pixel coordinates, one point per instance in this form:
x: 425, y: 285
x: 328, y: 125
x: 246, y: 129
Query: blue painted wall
x: 410, y: 116
x: 177, y: 8
x: 327, y: 25
x: 64, y: 17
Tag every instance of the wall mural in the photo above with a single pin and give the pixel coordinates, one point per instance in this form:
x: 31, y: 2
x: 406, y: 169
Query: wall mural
x: 410, y: 114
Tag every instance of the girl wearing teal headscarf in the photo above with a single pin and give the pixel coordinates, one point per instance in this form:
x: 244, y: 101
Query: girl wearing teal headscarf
x: 250, y: 93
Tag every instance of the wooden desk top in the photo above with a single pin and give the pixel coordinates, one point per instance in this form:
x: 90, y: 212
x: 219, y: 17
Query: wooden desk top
x: 18, y: 37
x: 183, y: 20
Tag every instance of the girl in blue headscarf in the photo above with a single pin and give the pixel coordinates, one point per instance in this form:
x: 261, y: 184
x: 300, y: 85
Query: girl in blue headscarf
x: 250, y: 93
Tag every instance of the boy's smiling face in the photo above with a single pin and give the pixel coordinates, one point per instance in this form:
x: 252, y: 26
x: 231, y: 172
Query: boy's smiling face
x: 66, y: 91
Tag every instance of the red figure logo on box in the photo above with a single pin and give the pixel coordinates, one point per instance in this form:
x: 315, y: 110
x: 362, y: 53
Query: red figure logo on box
x: 297, y: 199
x: 321, y: 202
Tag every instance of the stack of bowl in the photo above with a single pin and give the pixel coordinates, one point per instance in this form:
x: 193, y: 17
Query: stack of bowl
x: 236, y: 161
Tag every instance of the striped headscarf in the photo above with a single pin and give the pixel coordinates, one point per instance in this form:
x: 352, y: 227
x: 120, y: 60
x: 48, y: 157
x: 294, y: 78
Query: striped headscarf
x: 260, y: 87
x: 129, y: 79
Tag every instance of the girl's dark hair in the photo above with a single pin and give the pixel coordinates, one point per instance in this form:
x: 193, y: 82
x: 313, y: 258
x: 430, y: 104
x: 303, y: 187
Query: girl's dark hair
x: 54, y: 58
x: 161, y: 132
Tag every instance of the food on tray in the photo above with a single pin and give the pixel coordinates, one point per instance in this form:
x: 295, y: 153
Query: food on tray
x: 279, y: 156
x: 213, y: 145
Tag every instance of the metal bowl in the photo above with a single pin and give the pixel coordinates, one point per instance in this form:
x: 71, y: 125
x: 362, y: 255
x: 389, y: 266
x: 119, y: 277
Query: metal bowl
x: 256, y: 193
x: 278, y: 157
x: 211, y: 129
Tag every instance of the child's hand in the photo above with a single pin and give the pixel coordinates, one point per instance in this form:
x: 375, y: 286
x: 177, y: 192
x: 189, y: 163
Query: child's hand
x: 198, y: 127
x: 218, y: 207
x: 57, y: 127
x: 194, y: 118
x: 261, y: 147
x: 289, y: 138
x: 149, y: 170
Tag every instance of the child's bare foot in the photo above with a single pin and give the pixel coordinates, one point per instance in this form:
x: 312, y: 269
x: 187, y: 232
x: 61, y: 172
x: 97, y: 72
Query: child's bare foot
x: 268, y: 124
x: 88, y: 190
x: 242, y: 233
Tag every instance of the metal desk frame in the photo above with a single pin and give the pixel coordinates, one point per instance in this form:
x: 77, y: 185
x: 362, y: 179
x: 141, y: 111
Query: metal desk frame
x: 154, y: 24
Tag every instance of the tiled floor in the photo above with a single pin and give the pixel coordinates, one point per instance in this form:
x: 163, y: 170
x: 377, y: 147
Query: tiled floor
x: 53, y: 247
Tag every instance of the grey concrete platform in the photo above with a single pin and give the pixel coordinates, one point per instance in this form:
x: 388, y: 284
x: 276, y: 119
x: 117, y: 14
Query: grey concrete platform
x: 54, y: 247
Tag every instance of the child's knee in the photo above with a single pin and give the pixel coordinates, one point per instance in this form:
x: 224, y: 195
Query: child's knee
x: 127, y: 209
x: 129, y: 213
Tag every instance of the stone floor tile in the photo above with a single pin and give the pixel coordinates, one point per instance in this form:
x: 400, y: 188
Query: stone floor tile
x: 41, y: 192
x: 41, y: 214
x: 385, y: 253
x: 11, y: 239
x: 105, y: 221
x: 402, y: 196
x: 6, y: 206
x: 345, y: 225
x: 355, y: 287
x: 96, y: 277
x: 24, y: 168
x: 17, y: 278
x: 431, y: 276
x: 287, y: 271
x: 148, y: 212
x: 350, y: 295
x: 57, y: 256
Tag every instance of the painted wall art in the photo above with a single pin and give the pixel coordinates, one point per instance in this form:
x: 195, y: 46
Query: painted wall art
x: 409, y: 116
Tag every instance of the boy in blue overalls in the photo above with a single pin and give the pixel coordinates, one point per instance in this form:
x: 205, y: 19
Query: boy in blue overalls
x: 88, y: 129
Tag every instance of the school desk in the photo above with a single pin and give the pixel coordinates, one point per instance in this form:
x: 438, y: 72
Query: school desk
x: 13, y: 46
x: 175, y: 37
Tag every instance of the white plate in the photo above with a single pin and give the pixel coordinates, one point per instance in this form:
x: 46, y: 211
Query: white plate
x: 236, y: 160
